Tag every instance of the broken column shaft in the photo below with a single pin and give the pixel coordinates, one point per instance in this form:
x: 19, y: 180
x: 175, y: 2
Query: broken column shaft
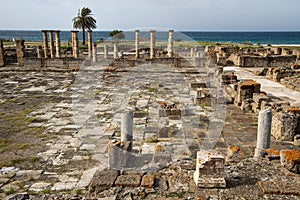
x: 263, y: 132
x: 137, y: 43
x: 20, y: 51
x: 2, y: 60
x: 39, y: 52
x: 90, y: 44
x: 127, y: 129
x: 105, y: 51
x: 116, y: 51
x: 95, y: 52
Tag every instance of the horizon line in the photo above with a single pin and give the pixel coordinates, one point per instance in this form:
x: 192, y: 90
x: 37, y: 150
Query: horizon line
x: 129, y: 30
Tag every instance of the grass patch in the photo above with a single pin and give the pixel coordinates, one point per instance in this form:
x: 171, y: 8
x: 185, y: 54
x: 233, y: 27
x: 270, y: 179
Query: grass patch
x: 46, y: 191
x: 179, y: 195
x: 152, y: 140
x: 155, y: 90
x: 9, y: 192
x: 79, y: 192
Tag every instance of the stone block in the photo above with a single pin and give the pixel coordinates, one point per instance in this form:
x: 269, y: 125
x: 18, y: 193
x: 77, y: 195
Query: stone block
x: 148, y: 181
x: 285, y: 126
x: 234, y: 155
x: 102, y: 180
x: 246, y: 89
x: 197, y: 85
x: 131, y: 180
x: 21, y: 196
x: 246, y: 105
x: 209, y: 170
x: 228, y: 77
x: 290, y: 159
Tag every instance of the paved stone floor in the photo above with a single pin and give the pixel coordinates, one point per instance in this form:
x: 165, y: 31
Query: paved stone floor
x: 86, y: 116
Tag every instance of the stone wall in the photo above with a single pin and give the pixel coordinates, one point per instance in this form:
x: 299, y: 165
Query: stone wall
x: 58, y: 62
x: 269, y: 61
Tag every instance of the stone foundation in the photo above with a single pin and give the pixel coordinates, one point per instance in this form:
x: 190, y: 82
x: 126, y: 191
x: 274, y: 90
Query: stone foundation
x: 209, y: 170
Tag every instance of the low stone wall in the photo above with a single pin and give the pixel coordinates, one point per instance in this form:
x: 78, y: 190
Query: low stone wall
x: 268, y: 61
x: 59, y: 62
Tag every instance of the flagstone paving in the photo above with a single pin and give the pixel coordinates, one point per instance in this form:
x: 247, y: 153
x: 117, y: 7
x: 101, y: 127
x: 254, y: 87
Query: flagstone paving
x: 84, y: 113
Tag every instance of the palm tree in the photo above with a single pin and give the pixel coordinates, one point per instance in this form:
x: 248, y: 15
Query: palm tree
x: 84, y: 20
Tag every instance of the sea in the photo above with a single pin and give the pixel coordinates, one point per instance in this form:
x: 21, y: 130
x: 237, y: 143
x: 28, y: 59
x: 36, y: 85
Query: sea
x: 288, y: 38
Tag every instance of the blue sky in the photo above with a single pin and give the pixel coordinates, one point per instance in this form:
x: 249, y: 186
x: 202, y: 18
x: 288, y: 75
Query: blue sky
x: 203, y: 15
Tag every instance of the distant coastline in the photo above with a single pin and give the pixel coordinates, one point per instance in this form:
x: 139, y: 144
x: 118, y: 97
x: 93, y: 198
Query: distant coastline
x: 277, y: 38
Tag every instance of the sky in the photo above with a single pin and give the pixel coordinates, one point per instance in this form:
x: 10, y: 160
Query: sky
x: 197, y: 15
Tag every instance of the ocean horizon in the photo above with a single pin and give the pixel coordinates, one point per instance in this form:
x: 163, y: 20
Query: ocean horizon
x: 289, y: 38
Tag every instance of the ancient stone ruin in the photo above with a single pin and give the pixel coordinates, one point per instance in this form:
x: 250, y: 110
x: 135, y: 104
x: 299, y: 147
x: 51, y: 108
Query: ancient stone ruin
x: 151, y: 122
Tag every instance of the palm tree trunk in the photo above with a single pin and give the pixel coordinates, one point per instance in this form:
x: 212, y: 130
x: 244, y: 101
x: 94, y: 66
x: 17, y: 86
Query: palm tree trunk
x: 83, y: 36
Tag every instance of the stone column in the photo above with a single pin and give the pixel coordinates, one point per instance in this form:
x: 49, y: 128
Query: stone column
x: 263, y: 132
x: 75, y: 44
x: 90, y: 43
x: 105, y: 51
x: 127, y: 129
x: 192, y: 52
x: 51, y: 44
x: 152, y: 44
x: 57, y: 44
x: 95, y: 52
x: 137, y: 43
x: 39, y: 52
x: 171, y: 44
x: 2, y: 61
x: 116, y: 50
x: 20, y: 51
x: 45, y: 43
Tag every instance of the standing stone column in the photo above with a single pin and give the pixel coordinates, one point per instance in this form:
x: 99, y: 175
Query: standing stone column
x: 95, y: 52
x: 45, y: 43
x: 105, y: 51
x: 263, y: 132
x: 20, y: 51
x: 137, y: 44
x: 57, y: 44
x: 152, y: 44
x: 90, y: 43
x: 51, y: 44
x: 2, y: 61
x: 192, y: 52
x: 127, y: 129
x: 75, y: 44
x: 171, y: 44
x: 116, y: 51
x: 39, y: 52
